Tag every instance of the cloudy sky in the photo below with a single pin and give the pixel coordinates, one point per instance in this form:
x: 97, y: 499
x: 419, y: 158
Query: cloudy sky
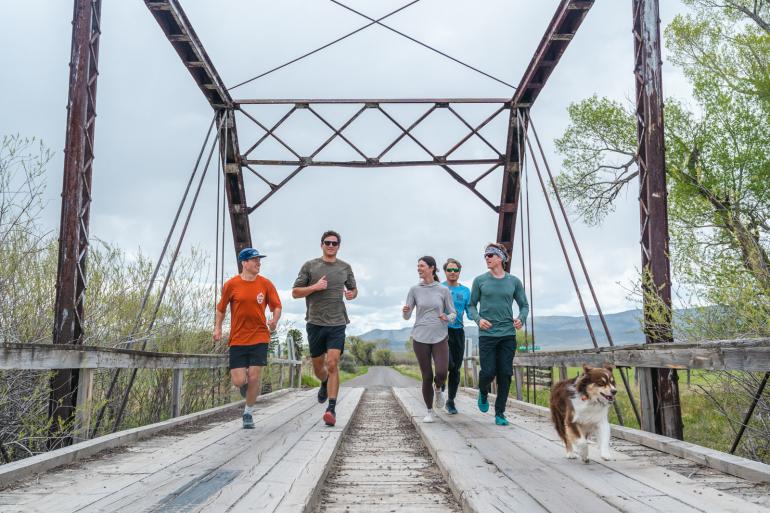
x: 152, y: 119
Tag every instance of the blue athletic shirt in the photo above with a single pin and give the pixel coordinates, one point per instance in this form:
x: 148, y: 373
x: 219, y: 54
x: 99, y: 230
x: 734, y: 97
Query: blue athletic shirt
x: 461, y: 296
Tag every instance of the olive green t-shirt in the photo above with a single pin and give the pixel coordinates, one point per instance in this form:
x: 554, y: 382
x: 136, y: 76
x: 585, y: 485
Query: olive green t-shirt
x: 326, y: 307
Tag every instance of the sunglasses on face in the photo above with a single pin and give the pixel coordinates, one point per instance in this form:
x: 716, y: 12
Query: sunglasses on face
x: 332, y: 243
x: 452, y: 270
x: 489, y: 255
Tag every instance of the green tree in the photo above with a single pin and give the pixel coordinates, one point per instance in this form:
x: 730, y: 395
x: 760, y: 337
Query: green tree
x: 296, y: 337
x: 718, y: 159
x: 383, y: 357
x: 361, y: 350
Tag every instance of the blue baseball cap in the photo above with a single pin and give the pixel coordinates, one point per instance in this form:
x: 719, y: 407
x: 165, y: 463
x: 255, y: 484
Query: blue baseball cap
x: 248, y: 254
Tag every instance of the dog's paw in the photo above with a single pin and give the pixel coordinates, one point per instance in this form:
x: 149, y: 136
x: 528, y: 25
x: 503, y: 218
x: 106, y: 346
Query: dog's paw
x: 571, y: 455
x: 583, y: 452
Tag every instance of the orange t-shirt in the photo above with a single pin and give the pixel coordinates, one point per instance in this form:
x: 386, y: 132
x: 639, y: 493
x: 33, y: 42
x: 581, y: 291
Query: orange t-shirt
x: 247, y: 300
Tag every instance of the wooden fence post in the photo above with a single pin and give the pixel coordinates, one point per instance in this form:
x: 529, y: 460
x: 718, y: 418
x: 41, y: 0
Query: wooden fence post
x: 176, y: 393
x: 83, y: 412
x: 518, y: 376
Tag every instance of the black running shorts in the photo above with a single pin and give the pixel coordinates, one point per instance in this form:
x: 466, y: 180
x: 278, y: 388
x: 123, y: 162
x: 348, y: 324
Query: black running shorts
x: 248, y: 356
x: 322, y: 338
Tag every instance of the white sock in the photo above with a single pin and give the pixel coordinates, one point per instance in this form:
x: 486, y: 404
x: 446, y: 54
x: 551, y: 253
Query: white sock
x: 248, y: 409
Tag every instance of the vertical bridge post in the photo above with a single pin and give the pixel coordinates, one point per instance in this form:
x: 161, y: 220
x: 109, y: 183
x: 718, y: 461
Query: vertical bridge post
x: 661, y: 411
x: 76, y: 202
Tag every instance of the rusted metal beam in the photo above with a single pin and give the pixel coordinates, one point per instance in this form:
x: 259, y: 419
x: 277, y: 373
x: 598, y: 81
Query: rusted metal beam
x: 332, y: 101
x: 233, y: 179
x: 178, y: 30
x: 71, y: 279
x: 370, y: 162
x: 511, y: 184
x: 564, y: 24
x: 661, y: 411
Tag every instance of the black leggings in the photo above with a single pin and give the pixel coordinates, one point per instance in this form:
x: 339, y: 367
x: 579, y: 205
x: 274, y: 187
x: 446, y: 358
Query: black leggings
x: 440, y: 353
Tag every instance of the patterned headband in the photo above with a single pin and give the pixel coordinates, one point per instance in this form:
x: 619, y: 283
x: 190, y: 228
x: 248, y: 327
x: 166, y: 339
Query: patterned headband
x: 496, y: 251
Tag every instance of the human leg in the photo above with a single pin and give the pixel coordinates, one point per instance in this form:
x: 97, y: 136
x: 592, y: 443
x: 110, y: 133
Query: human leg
x: 504, y: 352
x: 423, y: 354
x: 456, y: 344
x: 440, y: 353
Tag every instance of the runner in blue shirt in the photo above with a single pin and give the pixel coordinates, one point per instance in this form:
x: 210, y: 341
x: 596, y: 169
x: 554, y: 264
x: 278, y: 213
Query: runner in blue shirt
x: 461, y: 296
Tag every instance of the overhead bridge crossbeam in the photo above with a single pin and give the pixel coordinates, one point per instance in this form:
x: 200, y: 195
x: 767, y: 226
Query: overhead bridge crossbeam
x: 177, y: 28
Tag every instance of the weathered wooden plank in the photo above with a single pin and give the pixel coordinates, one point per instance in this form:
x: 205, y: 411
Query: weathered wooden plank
x: 728, y: 463
x: 43, y: 462
x: 49, y: 356
x: 626, y: 483
x: 747, y: 355
x: 478, y: 485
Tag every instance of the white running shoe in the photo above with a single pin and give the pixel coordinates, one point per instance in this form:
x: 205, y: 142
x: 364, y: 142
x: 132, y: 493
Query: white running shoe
x: 428, y: 418
x: 439, y: 399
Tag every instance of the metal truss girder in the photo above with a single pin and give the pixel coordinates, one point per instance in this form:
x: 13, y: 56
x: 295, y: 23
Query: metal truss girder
x: 178, y: 30
x: 233, y: 179
x: 564, y: 24
x: 71, y: 280
x: 661, y: 411
x: 511, y: 184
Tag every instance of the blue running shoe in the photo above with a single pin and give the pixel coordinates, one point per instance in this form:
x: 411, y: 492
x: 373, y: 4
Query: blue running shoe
x: 500, y: 420
x: 323, y: 394
x: 248, y: 421
x: 482, y: 402
x: 450, y: 408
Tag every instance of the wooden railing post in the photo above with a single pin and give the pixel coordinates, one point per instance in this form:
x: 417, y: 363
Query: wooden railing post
x: 176, y: 393
x: 83, y: 412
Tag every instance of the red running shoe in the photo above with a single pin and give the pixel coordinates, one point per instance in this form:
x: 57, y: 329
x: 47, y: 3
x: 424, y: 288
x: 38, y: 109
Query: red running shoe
x: 330, y: 418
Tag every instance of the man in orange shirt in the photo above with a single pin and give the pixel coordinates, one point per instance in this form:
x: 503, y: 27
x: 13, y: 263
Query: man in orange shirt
x: 248, y: 294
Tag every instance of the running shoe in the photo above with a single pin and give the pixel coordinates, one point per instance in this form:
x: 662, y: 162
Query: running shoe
x: 450, y: 408
x: 243, y: 389
x: 248, y: 421
x: 482, y: 402
x: 330, y: 418
x: 500, y: 420
x: 322, y: 393
x: 428, y: 418
x: 439, y: 399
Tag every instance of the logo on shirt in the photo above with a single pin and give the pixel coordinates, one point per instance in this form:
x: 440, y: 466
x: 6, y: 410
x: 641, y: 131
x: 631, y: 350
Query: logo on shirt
x: 260, y: 298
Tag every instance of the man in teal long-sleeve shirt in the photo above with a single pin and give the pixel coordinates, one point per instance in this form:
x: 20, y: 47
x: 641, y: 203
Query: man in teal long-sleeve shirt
x: 496, y: 290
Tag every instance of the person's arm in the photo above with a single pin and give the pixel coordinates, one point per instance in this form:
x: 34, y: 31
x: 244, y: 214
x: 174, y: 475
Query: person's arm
x: 302, y: 287
x: 409, y: 306
x: 449, y: 305
x: 351, y: 291
x: 274, y: 302
x: 467, y: 305
x: 219, y: 313
x: 473, y: 312
x: 520, y: 296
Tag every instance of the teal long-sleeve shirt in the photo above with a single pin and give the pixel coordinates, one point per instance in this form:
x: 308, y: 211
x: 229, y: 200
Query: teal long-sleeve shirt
x: 496, y: 296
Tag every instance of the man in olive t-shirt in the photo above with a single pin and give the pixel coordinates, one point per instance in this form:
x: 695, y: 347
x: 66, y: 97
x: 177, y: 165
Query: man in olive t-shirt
x: 323, y: 282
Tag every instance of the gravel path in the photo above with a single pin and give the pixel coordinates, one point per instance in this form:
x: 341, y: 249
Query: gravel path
x: 382, y: 464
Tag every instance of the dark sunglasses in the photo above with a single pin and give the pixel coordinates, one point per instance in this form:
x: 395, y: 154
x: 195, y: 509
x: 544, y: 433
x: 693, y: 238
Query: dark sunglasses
x: 453, y: 270
x: 489, y: 255
x: 331, y: 243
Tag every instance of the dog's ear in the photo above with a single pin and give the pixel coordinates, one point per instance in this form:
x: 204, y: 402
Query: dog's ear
x: 609, y: 367
x: 586, y: 368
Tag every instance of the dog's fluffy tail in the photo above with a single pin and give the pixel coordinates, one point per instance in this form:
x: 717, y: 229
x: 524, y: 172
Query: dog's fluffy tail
x: 559, y: 393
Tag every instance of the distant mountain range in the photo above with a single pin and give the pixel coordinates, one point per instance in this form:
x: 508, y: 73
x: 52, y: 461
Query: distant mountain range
x: 553, y: 332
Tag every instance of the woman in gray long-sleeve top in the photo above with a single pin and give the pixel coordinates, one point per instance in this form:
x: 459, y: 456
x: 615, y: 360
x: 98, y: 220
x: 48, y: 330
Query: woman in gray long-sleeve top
x: 435, y: 310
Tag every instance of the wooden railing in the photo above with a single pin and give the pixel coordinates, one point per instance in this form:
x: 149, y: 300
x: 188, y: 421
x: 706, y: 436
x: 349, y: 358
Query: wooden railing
x: 90, y: 358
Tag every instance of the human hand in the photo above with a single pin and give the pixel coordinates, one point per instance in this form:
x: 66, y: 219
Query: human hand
x: 321, y: 284
x: 443, y: 317
x: 405, y: 309
x: 350, y: 294
x: 517, y: 324
x: 217, y: 335
x: 272, y: 324
x: 484, y: 324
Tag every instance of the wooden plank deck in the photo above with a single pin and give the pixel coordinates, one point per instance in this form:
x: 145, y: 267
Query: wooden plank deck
x: 275, y: 467
x: 522, y: 467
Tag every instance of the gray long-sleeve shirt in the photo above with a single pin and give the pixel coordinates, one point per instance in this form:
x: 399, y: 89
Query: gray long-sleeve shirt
x: 431, y: 301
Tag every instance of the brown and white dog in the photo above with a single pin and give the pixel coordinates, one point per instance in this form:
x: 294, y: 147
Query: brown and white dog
x: 579, y: 409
